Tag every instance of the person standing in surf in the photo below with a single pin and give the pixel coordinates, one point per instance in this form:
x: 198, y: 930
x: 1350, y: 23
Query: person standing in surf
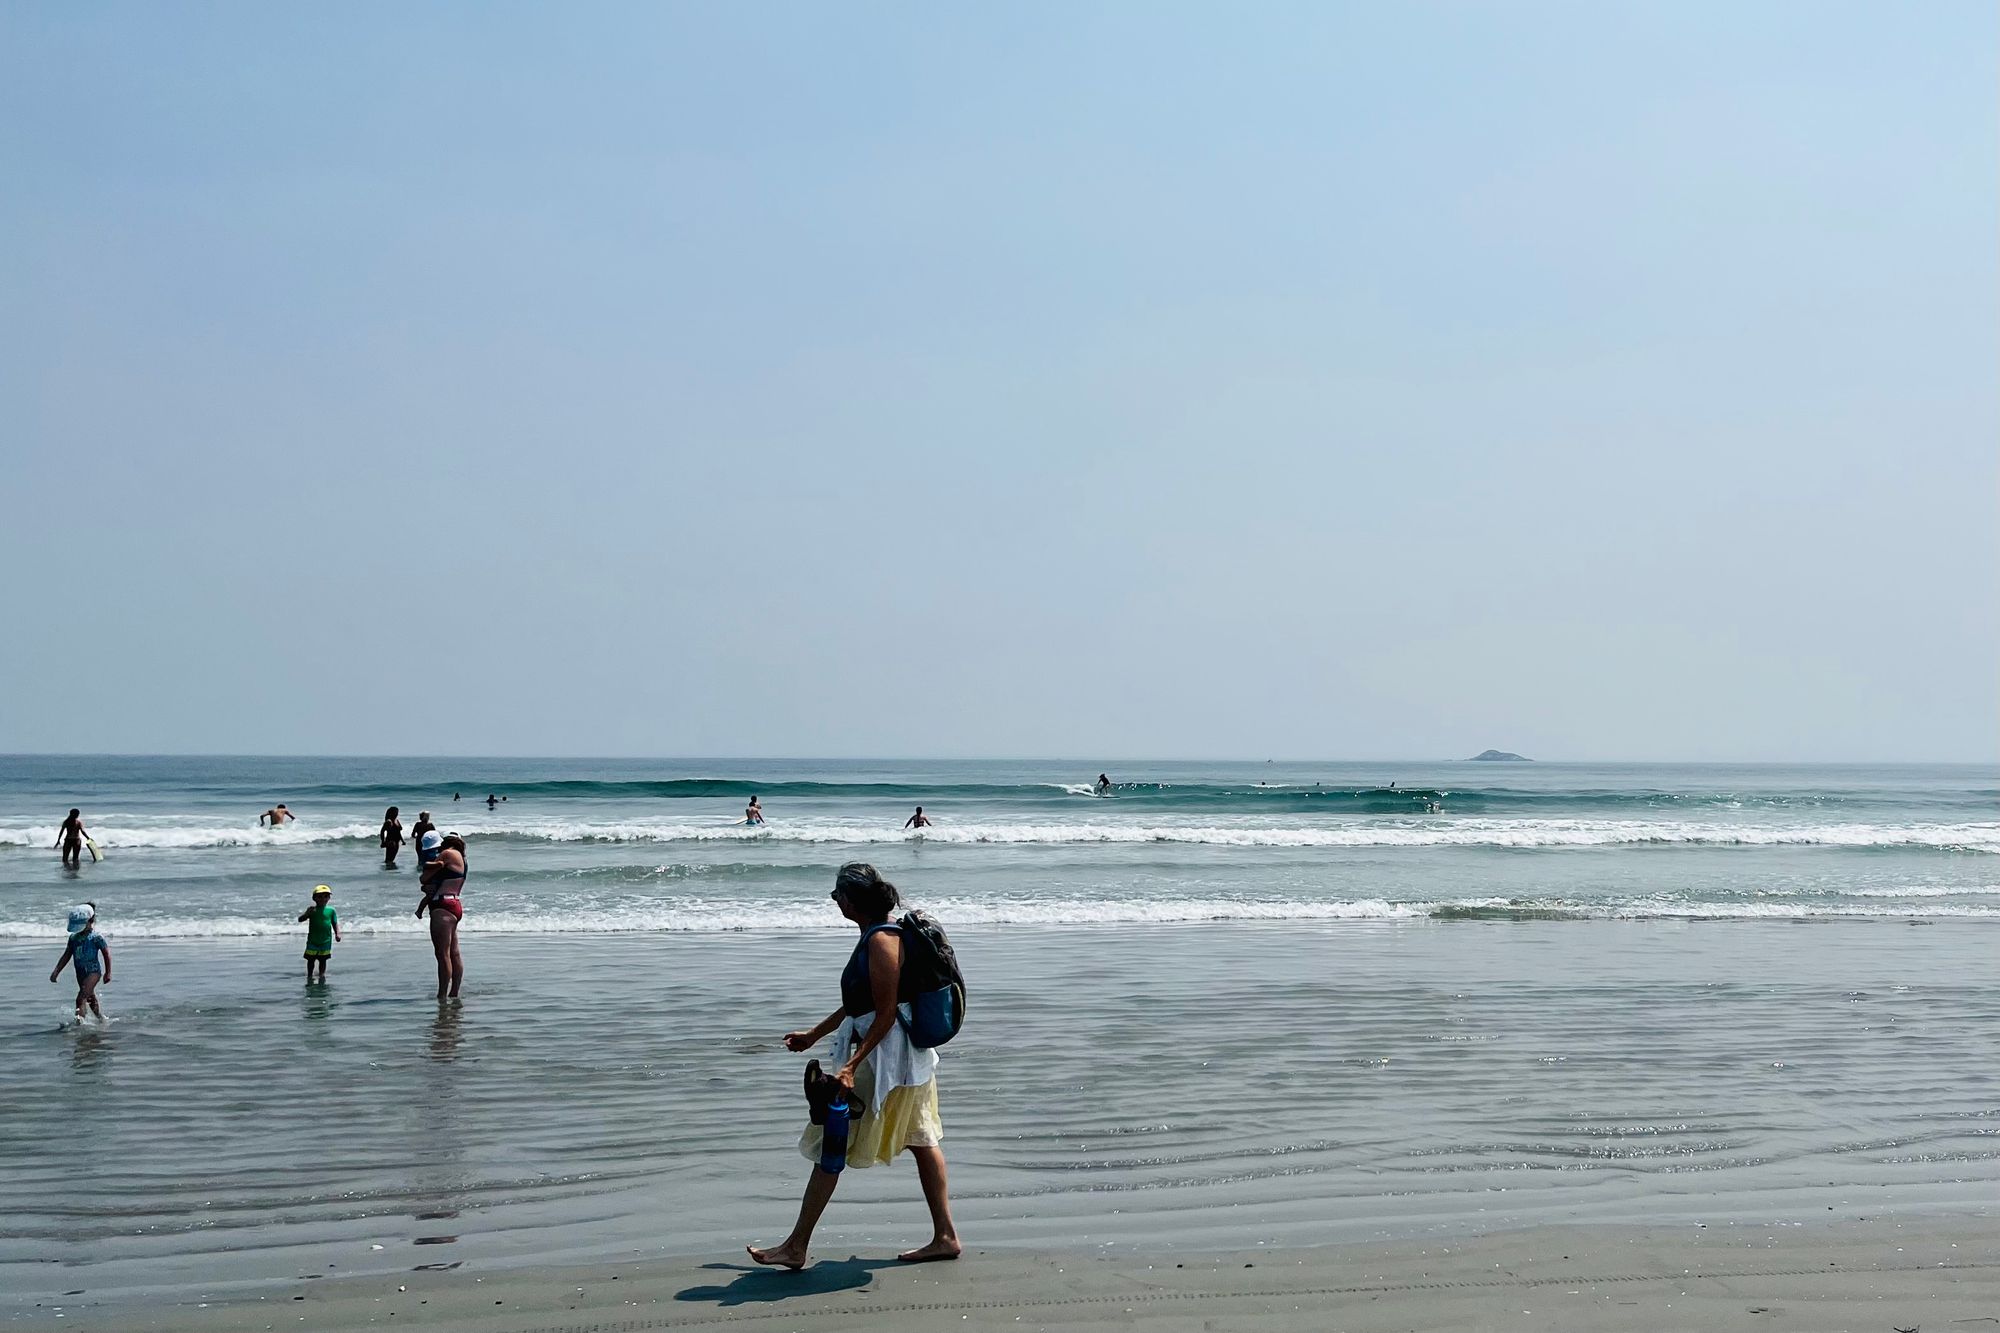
x: 322, y: 930
x: 417, y: 832
x: 392, y: 836
x: 277, y: 815
x: 753, y: 813
x: 92, y: 955
x: 918, y: 820
x: 444, y: 888
x: 70, y: 839
x: 893, y: 1081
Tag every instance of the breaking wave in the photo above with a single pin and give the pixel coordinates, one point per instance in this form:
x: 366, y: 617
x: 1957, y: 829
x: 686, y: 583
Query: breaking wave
x: 1504, y: 833
x: 683, y: 916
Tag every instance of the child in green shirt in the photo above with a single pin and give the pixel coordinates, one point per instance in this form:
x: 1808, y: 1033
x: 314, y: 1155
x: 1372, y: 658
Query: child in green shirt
x: 322, y: 929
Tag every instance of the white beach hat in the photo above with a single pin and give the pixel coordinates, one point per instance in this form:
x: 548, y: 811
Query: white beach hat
x: 80, y: 917
x: 430, y: 841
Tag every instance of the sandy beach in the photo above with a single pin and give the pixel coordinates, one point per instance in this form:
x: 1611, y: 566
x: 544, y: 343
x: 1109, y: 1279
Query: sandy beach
x: 1272, y: 669
x: 1875, y: 1274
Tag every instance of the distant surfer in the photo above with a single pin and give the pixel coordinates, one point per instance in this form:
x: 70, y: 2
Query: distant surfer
x: 918, y: 820
x: 1103, y: 784
x: 753, y: 814
x: 392, y: 835
x: 454, y: 796
x: 70, y: 838
x: 491, y: 800
x: 277, y: 815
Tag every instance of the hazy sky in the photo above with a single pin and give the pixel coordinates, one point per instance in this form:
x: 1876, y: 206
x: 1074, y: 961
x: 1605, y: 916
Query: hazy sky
x: 1589, y: 380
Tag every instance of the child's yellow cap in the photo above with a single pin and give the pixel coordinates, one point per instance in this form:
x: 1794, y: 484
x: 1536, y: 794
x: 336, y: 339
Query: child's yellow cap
x: 322, y: 889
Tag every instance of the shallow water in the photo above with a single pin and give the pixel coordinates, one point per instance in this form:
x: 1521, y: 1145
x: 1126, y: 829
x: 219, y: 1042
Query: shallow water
x: 1168, y: 1086
x: 1204, y: 1013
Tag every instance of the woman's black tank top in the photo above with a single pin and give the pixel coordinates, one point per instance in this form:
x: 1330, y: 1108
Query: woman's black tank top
x: 857, y: 997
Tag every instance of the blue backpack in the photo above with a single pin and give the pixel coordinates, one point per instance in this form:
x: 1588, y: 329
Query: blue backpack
x: 932, y: 984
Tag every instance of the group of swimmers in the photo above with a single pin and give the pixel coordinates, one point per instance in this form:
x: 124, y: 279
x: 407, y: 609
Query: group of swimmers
x: 753, y: 817
x: 441, y: 873
x: 441, y: 870
x: 434, y: 873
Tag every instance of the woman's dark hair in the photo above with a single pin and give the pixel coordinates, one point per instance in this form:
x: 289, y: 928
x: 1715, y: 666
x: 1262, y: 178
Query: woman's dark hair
x: 74, y: 813
x: 391, y: 813
x: 865, y: 890
x: 453, y: 841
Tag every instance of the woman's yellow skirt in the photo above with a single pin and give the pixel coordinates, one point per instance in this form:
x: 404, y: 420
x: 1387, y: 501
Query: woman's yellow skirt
x: 908, y: 1119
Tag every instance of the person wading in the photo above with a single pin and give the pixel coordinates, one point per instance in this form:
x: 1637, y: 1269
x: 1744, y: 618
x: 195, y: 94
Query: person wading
x: 443, y: 881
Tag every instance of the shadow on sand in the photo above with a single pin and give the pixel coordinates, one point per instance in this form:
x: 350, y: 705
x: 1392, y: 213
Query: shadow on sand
x: 753, y: 1284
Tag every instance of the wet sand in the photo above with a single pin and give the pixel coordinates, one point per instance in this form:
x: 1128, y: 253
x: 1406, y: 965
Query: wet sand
x: 1877, y: 1275
x: 1408, y: 1081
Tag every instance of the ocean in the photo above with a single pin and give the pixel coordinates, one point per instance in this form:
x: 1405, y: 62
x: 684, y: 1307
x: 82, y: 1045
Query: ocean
x: 1222, y: 1004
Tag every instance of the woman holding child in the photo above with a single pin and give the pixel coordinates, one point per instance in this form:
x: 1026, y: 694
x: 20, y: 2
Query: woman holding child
x: 443, y: 881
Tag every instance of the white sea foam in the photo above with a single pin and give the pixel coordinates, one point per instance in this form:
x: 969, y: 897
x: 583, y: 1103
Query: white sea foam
x: 688, y: 916
x: 1916, y: 891
x: 1518, y: 833
x: 193, y: 836
x: 1525, y: 833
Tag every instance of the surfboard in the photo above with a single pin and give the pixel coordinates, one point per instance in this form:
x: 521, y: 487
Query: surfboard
x: 95, y: 855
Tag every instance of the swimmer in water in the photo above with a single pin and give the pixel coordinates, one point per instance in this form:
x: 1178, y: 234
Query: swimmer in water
x: 491, y: 800
x: 277, y: 814
x: 918, y: 820
x: 753, y: 813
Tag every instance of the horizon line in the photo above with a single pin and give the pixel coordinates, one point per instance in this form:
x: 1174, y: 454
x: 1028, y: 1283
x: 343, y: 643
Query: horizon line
x: 967, y: 758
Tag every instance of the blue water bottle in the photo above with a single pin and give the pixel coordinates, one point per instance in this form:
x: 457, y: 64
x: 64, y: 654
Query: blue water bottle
x: 833, y: 1138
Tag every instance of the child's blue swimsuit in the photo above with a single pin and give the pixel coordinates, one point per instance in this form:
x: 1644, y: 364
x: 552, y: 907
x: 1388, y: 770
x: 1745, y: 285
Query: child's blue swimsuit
x: 89, y: 952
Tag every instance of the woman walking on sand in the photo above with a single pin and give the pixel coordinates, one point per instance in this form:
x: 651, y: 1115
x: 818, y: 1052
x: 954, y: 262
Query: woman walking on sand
x: 894, y: 1083
x: 444, y: 883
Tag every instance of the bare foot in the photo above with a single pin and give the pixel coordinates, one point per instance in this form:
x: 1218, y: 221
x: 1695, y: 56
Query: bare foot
x: 779, y: 1256
x: 934, y: 1252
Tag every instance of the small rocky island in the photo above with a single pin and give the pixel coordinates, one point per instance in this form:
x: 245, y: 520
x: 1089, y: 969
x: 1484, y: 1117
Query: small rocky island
x: 1500, y: 756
